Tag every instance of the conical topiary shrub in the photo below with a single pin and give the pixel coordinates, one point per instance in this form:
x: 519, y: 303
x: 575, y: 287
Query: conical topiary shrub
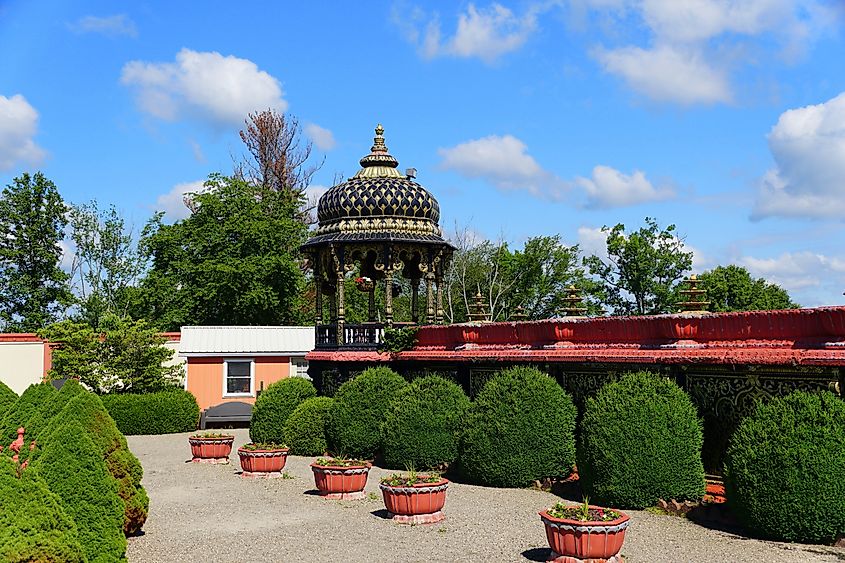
x: 305, y: 431
x: 7, y: 399
x: 33, y: 525
x: 785, y: 468
x: 74, y: 469
x: 359, y: 409
x: 29, y: 404
x: 640, y: 442
x: 275, y: 405
x: 423, y: 424
x: 519, y: 429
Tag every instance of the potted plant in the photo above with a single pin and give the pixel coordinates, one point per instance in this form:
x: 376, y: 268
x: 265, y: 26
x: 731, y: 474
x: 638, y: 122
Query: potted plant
x: 414, y: 498
x: 210, y: 447
x: 364, y: 284
x: 340, y: 478
x: 262, y: 459
x: 584, y: 531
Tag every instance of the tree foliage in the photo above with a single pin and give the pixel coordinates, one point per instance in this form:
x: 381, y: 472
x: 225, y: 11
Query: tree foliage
x: 33, y: 288
x: 642, y: 269
x: 106, y: 261
x: 233, y: 261
x: 731, y: 288
x: 127, y: 356
x: 534, y: 278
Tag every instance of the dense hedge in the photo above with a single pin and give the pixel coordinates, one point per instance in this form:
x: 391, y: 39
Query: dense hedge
x: 33, y: 524
x: 785, y: 468
x: 519, y: 429
x: 641, y: 441
x: 87, y: 409
x: 275, y: 405
x: 305, y: 431
x: 423, y: 424
x: 74, y: 469
x: 28, y: 405
x: 7, y: 399
x: 164, y: 412
x: 359, y: 409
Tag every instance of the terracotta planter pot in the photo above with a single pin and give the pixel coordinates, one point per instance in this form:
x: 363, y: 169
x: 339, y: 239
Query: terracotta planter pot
x: 344, y: 483
x: 262, y: 463
x: 598, y: 541
x: 415, y: 504
x: 211, y: 450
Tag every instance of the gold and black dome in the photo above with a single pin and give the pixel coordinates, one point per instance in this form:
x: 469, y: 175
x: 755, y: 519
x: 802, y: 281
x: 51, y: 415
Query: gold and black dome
x: 378, y: 203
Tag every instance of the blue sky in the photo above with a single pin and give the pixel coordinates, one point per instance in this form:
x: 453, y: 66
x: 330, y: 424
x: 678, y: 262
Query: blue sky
x: 726, y: 118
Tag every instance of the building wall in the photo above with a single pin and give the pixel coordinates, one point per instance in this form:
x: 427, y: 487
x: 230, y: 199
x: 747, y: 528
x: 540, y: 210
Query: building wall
x: 21, y: 361
x: 206, y: 377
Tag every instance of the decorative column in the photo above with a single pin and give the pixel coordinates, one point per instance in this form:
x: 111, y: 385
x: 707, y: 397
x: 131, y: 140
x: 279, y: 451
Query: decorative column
x: 388, y: 296
x: 439, y: 315
x: 415, y: 290
x: 341, y: 310
x: 318, y: 288
x: 429, y: 298
x: 371, y: 316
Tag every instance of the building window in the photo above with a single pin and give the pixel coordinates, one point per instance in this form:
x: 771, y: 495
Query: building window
x: 238, y: 378
x: 300, y: 367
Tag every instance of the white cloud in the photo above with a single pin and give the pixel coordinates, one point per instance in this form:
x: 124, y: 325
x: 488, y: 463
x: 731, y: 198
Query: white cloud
x: 320, y: 136
x: 110, y: 26
x: 18, y: 124
x: 609, y: 187
x: 808, y: 146
x: 814, y: 279
x: 173, y: 202
x: 504, y: 162
x: 218, y: 89
x: 484, y: 33
x: 668, y: 74
x: 692, y: 42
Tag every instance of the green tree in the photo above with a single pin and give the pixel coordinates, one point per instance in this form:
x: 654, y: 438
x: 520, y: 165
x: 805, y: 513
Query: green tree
x: 731, y: 288
x: 642, y: 269
x: 234, y: 260
x: 126, y: 357
x: 106, y: 261
x: 33, y: 288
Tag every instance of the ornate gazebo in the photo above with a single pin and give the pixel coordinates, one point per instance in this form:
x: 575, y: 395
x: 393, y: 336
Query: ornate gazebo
x: 384, y: 225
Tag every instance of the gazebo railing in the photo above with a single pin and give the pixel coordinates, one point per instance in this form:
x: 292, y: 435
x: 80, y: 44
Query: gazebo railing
x: 366, y: 336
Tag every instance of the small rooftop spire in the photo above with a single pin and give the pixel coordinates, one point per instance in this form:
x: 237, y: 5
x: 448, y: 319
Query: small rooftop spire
x: 379, y: 163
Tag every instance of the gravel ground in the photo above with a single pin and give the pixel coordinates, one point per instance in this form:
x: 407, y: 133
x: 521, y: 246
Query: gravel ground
x: 208, y: 513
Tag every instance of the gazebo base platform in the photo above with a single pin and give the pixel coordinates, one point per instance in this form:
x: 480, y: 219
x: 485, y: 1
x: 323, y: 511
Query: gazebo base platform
x: 357, y: 495
x: 211, y: 460
x: 555, y: 557
x: 430, y: 518
x: 261, y: 474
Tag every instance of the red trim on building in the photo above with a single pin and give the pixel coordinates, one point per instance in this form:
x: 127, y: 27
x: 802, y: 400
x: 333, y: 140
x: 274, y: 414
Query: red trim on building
x: 810, y: 337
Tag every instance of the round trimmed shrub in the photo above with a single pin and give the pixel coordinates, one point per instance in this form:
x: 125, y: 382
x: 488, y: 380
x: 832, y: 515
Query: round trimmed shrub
x: 28, y: 405
x: 275, y: 405
x: 359, y: 409
x: 305, y: 431
x: 33, y: 524
x: 785, y: 468
x: 73, y: 468
x: 163, y: 412
x: 423, y: 424
x: 520, y: 428
x: 7, y: 398
x: 641, y: 441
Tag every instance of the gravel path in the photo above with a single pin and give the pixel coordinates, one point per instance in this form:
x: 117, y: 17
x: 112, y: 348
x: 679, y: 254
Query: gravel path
x: 207, y: 513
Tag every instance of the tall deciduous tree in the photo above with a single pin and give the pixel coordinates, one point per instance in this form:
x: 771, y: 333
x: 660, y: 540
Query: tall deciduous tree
x: 732, y: 288
x: 234, y: 260
x: 279, y: 156
x: 642, y: 269
x: 33, y: 288
x: 106, y: 261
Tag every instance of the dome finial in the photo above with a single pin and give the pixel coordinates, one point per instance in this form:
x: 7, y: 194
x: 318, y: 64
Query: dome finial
x: 378, y: 141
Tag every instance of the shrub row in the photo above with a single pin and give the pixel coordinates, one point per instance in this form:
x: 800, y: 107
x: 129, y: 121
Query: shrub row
x: 165, y: 412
